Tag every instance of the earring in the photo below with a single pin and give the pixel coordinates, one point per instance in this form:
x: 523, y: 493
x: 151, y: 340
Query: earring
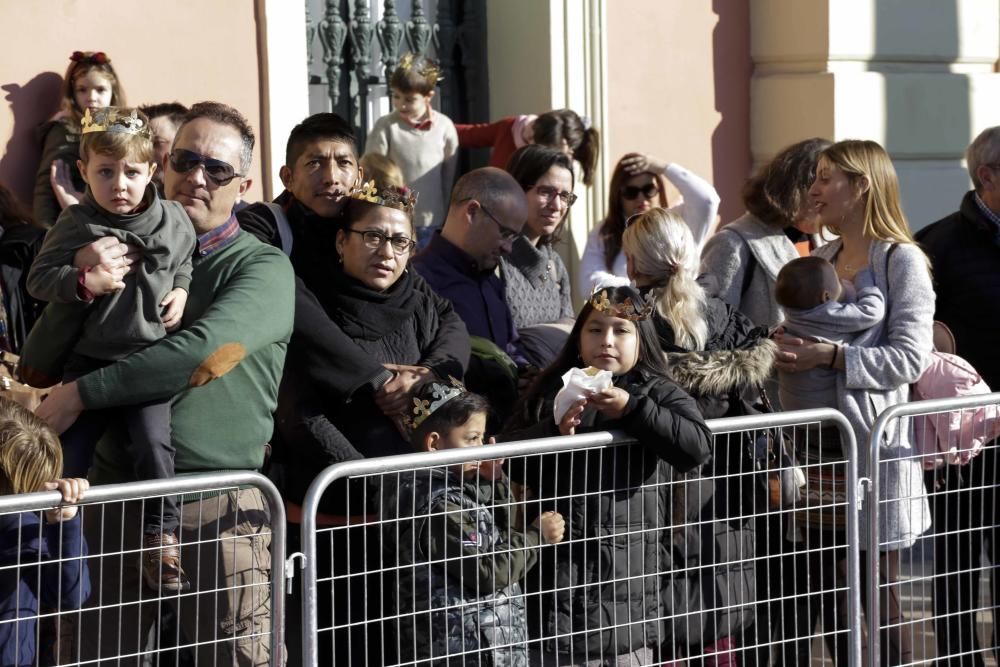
x: 340, y: 259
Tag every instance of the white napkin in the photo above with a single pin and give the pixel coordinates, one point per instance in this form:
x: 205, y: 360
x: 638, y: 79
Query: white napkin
x: 579, y: 383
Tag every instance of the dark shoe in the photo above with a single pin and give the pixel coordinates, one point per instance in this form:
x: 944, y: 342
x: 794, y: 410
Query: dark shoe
x: 161, y: 563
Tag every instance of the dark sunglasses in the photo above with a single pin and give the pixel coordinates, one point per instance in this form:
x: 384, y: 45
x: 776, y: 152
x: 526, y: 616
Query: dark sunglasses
x: 219, y: 172
x: 630, y: 192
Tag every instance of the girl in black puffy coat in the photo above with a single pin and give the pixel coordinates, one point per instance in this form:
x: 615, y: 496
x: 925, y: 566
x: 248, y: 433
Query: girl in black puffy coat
x: 599, y: 597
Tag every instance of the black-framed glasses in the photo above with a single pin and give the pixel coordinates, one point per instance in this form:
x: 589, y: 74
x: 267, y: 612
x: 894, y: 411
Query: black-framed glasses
x: 648, y: 191
x: 219, y: 172
x: 547, y: 193
x: 506, y: 233
x: 375, y: 240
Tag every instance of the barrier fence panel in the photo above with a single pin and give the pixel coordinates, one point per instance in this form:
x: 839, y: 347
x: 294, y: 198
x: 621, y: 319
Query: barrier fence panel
x: 73, y: 590
x: 450, y: 557
x: 935, y: 524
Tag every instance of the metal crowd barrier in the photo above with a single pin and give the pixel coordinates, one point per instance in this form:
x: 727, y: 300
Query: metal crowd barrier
x: 232, y: 530
x: 935, y: 594
x: 400, y: 570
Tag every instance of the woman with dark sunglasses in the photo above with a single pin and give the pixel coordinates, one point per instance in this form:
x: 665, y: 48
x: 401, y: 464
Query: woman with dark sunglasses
x: 638, y: 184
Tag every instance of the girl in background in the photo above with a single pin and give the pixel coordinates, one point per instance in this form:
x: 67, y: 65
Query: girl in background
x: 561, y: 129
x: 90, y: 84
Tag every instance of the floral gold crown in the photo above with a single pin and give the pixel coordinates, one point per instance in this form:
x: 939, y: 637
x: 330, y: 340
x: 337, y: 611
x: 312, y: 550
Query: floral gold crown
x: 403, y: 198
x: 116, y: 121
x: 626, y: 310
x: 440, y: 394
x: 429, y: 70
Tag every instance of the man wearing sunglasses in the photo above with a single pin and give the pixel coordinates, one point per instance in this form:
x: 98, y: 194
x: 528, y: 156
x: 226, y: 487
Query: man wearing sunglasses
x: 223, y: 370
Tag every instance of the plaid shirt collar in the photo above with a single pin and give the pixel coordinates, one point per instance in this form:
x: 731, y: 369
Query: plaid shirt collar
x: 218, y: 238
x: 988, y: 213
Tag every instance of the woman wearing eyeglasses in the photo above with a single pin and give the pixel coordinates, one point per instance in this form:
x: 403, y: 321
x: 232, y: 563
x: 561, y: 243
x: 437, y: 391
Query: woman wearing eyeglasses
x: 391, y: 315
x: 638, y: 184
x: 536, y: 283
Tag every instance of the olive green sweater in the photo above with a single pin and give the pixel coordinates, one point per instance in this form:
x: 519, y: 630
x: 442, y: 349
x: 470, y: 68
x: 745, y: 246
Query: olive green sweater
x: 222, y: 369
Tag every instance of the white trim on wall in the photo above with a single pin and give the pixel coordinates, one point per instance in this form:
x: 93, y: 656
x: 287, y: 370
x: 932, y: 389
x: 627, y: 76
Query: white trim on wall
x: 284, y: 83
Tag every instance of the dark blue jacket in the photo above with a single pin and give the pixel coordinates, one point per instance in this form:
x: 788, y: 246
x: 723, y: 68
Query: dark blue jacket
x: 478, y: 296
x: 38, y: 563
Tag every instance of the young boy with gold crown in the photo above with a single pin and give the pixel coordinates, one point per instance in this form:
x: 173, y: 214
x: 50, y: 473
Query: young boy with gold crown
x: 97, y: 316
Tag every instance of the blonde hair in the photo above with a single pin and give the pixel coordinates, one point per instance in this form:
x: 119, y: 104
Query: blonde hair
x: 884, y: 219
x: 659, y: 245
x: 30, y: 453
x: 383, y: 170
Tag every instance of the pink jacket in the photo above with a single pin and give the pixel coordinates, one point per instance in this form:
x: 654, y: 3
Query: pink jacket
x: 953, y: 437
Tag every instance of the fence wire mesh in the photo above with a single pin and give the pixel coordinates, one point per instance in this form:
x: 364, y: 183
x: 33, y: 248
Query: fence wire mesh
x: 935, y: 574
x: 457, y: 557
x: 76, y: 595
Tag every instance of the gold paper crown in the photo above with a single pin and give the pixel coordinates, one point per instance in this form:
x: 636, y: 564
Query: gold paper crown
x: 440, y: 394
x: 403, y: 198
x: 430, y: 71
x: 115, y: 121
x: 626, y: 310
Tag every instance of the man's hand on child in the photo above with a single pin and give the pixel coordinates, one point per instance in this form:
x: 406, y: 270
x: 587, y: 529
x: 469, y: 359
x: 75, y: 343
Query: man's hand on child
x: 552, y: 526
x: 611, y: 402
x: 72, y: 490
x: 61, y: 407
x: 395, y: 396
x: 174, y: 304
x: 108, y: 252
x: 62, y: 184
x: 100, y: 280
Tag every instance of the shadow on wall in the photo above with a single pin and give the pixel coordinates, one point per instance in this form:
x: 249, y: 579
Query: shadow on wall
x: 732, y: 68
x: 932, y: 181
x: 31, y: 105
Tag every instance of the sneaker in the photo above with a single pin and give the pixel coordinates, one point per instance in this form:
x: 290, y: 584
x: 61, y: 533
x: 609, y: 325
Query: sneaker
x: 161, y: 563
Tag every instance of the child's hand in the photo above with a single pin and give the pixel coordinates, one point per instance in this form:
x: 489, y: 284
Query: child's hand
x: 72, y: 490
x: 611, y: 402
x: 174, y: 304
x: 101, y: 280
x: 570, y: 420
x: 62, y: 184
x: 552, y: 526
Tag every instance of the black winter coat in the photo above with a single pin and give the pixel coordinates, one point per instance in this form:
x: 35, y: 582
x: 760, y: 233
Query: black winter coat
x: 326, y: 411
x: 599, y: 592
x: 964, y: 249
x: 737, y: 358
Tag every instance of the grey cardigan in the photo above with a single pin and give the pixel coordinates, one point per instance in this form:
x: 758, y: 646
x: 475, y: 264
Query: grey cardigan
x: 881, y: 364
x: 728, y: 254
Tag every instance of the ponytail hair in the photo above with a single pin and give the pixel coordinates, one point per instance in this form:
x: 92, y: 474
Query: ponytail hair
x: 553, y: 128
x: 660, y: 246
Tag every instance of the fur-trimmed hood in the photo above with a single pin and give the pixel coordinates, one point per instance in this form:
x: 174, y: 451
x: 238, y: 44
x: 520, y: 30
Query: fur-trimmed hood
x: 722, y: 371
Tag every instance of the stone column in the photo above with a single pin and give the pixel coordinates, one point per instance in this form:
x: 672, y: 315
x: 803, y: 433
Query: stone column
x: 918, y: 76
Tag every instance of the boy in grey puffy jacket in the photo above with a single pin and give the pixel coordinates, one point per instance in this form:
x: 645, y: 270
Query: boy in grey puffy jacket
x: 453, y: 548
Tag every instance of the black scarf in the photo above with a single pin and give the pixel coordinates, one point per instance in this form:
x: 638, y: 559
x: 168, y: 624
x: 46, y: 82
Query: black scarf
x: 366, y: 313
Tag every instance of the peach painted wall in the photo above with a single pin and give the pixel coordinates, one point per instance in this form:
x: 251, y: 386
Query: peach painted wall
x: 194, y: 51
x: 679, y: 88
